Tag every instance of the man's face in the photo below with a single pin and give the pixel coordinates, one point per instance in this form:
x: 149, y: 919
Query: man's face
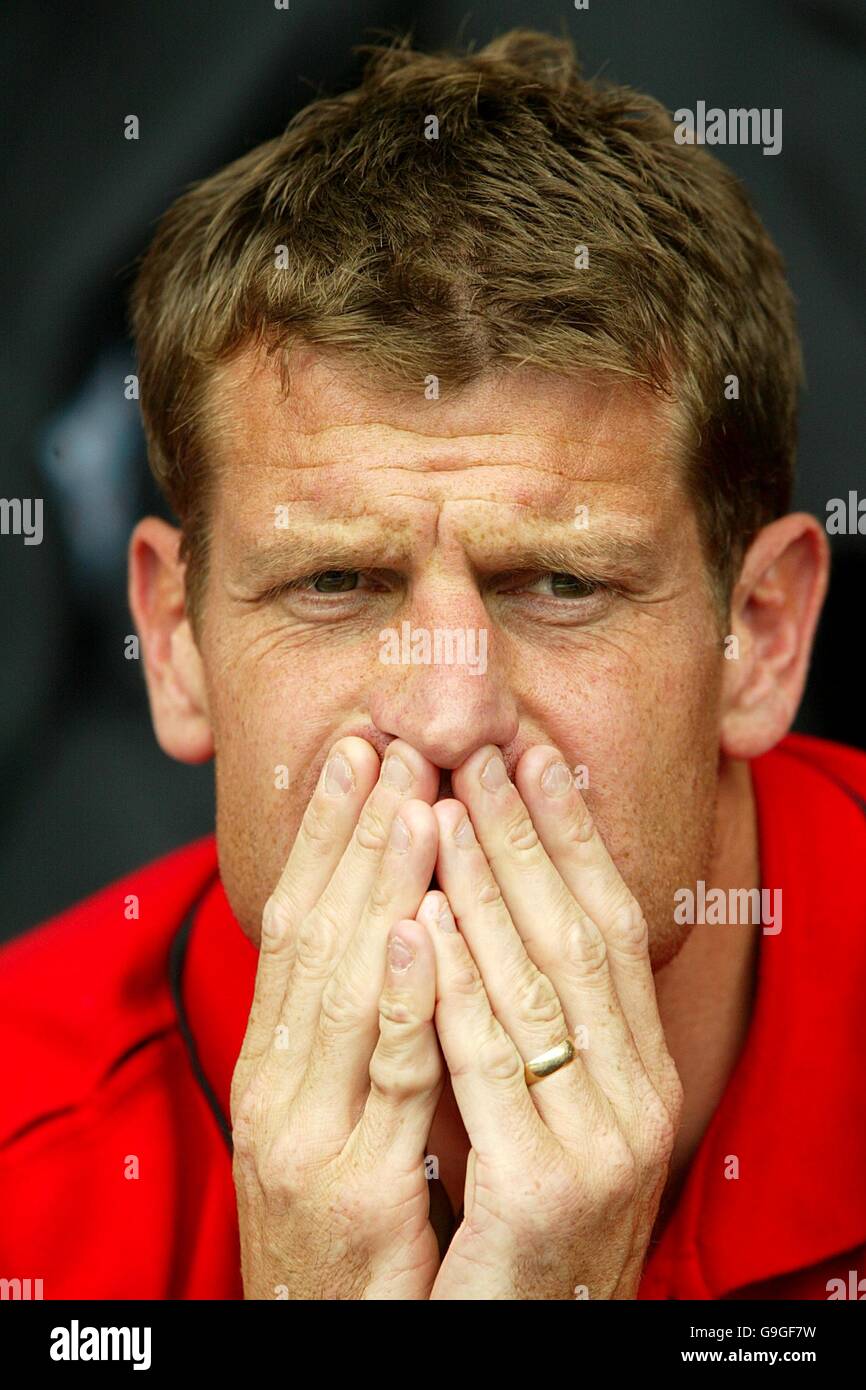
x: 443, y: 515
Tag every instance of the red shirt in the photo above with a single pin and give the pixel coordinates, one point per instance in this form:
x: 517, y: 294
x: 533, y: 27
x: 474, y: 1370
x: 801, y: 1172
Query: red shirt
x: 119, y: 1034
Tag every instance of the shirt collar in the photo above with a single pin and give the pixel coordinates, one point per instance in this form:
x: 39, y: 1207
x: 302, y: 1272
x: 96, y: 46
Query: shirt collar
x: 792, y: 1112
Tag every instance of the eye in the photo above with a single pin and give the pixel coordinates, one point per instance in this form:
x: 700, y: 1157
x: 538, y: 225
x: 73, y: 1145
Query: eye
x: 572, y: 586
x: 314, y: 590
x: 334, y: 581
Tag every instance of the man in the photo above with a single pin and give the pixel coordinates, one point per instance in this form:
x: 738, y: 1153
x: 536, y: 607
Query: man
x: 527, y: 961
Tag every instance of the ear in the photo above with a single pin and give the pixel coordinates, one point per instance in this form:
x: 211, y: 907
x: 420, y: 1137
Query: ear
x: 774, y: 612
x: 172, y: 664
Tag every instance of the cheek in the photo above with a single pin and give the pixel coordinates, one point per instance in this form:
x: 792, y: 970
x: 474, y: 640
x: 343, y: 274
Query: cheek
x: 262, y: 694
x: 263, y: 784
x: 273, y: 719
x: 267, y: 730
x: 628, y: 713
x: 649, y: 741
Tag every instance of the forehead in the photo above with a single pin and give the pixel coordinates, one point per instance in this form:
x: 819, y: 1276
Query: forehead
x: 526, y: 437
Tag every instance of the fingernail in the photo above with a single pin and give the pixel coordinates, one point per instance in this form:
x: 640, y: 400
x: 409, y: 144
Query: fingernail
x: 556, y: 779
x: 464, y: 835
x: 494, y: 775
x: 446, y: 919
x: 339, y: 777
x: 396, y: 774
x: 400, y: 956
x: 400, y: 837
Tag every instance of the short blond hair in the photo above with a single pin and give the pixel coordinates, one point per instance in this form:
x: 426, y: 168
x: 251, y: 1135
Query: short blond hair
x: 453, y: 254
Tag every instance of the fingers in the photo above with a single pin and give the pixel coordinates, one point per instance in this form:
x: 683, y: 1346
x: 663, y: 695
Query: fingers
x: 346, y: 780
x: 337, y: 1075
x: 575, y: 846
x: 564, y: 942
x: 323, y: 890
x: 523, y: 998
x: 550, y: 901
x: 405, y: 1071
x: 486, y: 1068
x: 349, y: 775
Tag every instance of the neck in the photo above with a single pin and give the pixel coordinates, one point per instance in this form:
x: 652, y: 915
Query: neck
x: 704, y: 997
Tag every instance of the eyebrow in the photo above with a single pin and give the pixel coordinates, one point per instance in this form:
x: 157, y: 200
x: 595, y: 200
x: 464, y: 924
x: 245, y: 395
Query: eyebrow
x: 301, y: 553
x: 625, y: 552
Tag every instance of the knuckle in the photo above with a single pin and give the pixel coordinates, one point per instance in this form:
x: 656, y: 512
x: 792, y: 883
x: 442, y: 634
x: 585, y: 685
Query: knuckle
x: 395, y: 1011
x: 243, y: 1136
x: 580, y: 827
x: 498, y: 1058
x: 466, y: 980
x: 520, y: 837
x: 390, y: 1076
x: 317, y: 829
x: 539, y: 1002
x: 629, y: 928
x: 316, y: 945
x: 585, y: 948
x: 371, y: 832
x: 489, y: 894
x: 381, y: 899
x: 341, y: 1007
x: 276, y: 922
x: 249, y: 1121
x: 280, y: 1173
x: 618, y: 1176
x: 399, y: 1020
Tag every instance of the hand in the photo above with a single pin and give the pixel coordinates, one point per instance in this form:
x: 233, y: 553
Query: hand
x: 340, y: 1071
x: 564, y: 1178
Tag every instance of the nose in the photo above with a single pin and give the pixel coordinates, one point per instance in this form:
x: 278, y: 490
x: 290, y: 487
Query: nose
x: 445, y: 691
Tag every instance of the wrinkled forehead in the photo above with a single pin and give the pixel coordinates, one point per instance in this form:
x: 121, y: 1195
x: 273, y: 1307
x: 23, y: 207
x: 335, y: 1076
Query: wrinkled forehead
x: 513, y: 459
x: 579, y: 427
x: 520, y: 469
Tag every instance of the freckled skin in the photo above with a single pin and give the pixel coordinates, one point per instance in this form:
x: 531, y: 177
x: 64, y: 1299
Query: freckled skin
x: 629, y: 686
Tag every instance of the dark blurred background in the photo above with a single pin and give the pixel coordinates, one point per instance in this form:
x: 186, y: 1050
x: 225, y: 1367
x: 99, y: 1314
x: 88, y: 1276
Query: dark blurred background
x: 87, y: 794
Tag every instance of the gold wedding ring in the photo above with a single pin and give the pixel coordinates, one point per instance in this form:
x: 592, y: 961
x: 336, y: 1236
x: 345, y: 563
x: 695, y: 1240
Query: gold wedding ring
x: 548, y: 1062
